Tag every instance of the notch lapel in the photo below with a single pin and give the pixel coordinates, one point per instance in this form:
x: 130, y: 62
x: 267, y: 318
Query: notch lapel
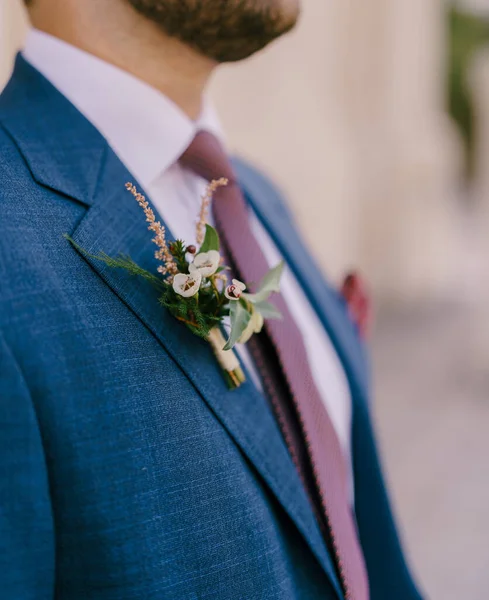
x: 64, y: 152
x: 115, y: 224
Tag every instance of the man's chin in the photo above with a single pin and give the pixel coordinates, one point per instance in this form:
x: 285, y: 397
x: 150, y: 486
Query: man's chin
x: 222, y: 31
x: 238, y: 48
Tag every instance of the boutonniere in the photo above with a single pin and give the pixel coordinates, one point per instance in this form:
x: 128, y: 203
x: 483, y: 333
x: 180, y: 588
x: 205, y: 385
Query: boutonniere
x: 193, y: 285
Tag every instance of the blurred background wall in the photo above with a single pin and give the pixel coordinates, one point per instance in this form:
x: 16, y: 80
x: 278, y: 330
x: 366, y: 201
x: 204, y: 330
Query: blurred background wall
x: 374, y: 118
x: 357, y: 91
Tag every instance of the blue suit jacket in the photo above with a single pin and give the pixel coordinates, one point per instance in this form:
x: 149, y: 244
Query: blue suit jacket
x: 127, y: 469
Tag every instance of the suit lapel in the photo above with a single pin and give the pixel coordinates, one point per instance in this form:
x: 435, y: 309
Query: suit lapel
x: 64, y: 152
x: 115, y: 224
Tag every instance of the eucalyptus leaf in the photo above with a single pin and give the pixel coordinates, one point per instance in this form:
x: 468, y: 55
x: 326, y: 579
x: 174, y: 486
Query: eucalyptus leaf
x: 239, y: 317
x: 269, y: 285
x: 211, y: 240
x: 268, y: 310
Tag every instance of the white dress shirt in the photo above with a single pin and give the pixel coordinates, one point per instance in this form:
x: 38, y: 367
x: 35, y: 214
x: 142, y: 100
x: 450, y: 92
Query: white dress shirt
x: 149, y: 133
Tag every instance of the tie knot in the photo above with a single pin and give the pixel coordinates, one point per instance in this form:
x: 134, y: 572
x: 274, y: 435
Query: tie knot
x: 207, y: 158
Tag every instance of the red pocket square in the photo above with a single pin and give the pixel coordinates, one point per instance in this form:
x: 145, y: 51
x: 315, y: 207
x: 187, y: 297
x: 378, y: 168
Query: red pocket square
x: 355, y: 293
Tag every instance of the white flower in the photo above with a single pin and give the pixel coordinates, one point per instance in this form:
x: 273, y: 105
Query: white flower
x: 187, y: 285
x: 254, y: 326
x: 234, y: 291
x: 206, y: 263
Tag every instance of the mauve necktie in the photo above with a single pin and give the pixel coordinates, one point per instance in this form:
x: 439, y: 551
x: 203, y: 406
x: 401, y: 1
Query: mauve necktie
x: 327, y: 464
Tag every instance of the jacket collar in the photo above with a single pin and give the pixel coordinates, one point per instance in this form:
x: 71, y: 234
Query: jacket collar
x: 66, y: 153
x: 47, y: 130
x: 146, y: 130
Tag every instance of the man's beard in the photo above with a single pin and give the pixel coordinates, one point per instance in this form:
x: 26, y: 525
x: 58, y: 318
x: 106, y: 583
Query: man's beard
x: 223, y: 30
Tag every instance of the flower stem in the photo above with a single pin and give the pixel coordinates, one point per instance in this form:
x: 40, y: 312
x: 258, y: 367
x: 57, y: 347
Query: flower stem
x: 233, y: 373
x: 187, y: 322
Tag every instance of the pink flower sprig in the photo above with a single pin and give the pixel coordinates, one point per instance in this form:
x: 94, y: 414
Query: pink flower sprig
x: 163, y: 253
x: 204, y: 208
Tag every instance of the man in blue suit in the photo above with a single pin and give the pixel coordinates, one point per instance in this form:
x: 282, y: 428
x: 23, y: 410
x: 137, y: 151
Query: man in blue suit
x: 128, y: 469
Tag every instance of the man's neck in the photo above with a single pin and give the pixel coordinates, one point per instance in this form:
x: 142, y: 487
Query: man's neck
x: 114, y: 32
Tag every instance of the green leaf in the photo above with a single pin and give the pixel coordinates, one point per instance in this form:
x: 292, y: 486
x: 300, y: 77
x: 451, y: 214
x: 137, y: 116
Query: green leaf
x: 240, y: 318
x: 211, y: 240
x: 121, y: 261
x: 268, y: 310
x: 178, y: 250
x: 269, y: 285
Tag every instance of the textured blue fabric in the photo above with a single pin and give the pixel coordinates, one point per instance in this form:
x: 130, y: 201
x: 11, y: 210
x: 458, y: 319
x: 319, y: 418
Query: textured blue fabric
x: 128, y: 470
x: 389, y: 575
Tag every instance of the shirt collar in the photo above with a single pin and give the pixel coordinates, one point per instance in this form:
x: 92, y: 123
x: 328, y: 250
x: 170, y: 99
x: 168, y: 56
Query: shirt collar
x: 146, y: 129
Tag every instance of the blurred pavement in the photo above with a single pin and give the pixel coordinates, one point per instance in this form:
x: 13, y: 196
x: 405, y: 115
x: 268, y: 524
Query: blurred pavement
x: 432, y: 410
